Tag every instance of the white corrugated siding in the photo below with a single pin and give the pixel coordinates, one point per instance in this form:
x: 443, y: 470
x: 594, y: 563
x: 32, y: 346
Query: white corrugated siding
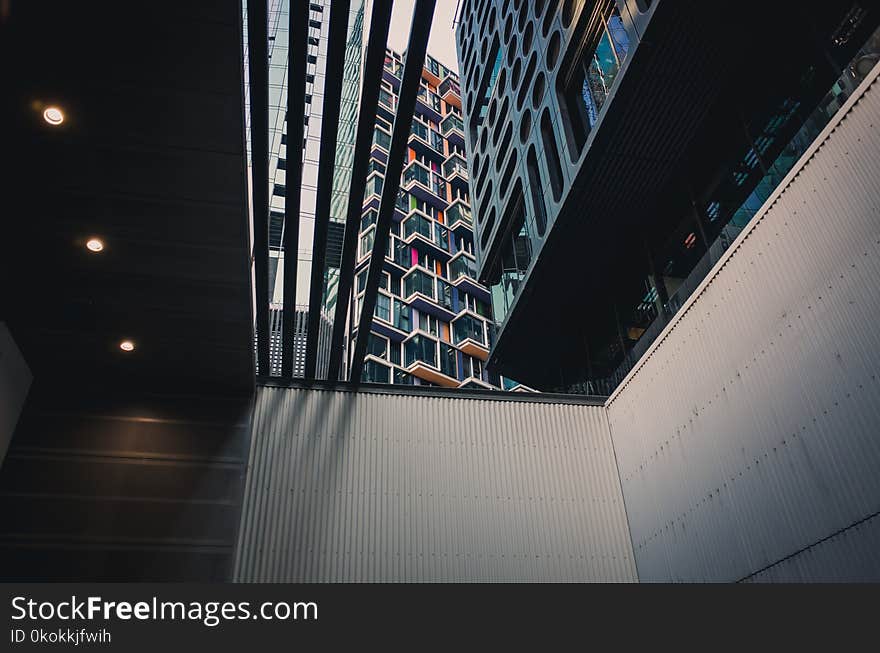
x: 750, y: 433
x: 370, y: 487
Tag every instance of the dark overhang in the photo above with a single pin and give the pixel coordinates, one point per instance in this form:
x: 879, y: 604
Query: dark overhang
x: 677, y: 111
x: 151, y: 159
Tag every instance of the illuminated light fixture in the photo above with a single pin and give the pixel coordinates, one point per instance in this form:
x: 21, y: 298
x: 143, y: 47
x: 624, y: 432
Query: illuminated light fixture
x: 126, y: 345
x: 53, y: 115
x: 690, y: 241
x: 95, y: 245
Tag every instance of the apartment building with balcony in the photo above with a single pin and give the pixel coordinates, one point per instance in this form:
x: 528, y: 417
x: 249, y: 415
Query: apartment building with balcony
x: 433, y: 319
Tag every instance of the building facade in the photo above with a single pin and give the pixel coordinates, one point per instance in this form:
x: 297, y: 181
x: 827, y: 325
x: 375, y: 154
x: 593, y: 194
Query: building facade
x: 433, y: 320
x: 618, y: 147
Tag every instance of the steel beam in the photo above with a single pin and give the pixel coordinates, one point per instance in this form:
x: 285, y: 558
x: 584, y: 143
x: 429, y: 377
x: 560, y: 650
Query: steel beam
x: 380, y: 20
x: 329, y: 131
x: 298, y: 50
x: 258, y: 73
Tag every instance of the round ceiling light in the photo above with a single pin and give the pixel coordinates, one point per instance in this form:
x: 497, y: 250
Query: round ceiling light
x: 126, y: 345
x: 53, y: 115
x: 95, y: 245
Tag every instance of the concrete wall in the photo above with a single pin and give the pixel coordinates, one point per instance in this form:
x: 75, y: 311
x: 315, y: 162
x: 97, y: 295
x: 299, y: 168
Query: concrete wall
x: 370, y: 486
x: 748, y: 436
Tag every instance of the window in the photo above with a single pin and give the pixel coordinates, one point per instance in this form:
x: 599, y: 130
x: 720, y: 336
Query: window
x: 377, y: 345
x: 537, y: 192
x: 551, y: 155
x: 401, y: 316
x: 420, y: 348
x: 448, y: 360
x: 428, y: 323
x: 375, y: 372
x: 383, y: 307
x: 588, y: 79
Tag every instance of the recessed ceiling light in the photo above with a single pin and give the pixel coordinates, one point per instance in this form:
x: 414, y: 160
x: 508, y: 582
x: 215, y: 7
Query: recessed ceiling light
x: 53, y: 115
x: 95, y: 245
x: 126, y: 345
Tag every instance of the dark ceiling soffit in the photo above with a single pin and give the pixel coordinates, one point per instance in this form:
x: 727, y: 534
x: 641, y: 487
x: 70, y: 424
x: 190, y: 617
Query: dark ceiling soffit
x: 258, y: 70
x: 296, y: 84
x: 375, y: 60
x: 423, y: 15
x: 329, y: 132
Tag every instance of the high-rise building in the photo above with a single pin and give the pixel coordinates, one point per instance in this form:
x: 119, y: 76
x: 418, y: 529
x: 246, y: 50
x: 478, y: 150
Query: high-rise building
x: 618, y: 147
x: 432, y: 323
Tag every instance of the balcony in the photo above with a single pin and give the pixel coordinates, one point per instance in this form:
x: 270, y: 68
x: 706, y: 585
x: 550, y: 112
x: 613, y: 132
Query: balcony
x: 452, y: 128
x: 426, y: 141
x: 418, y: 282
x: 429, y: 104
x: 469, y: 335
x: 433, y: 71
x: 463, y: 275
x: 373, y: 190
x: 450, y: 91
x: 430, y: 360
x: 421, y: 231
x: 387, y: 104
x: 425, y: 184
x: 459, y: 218
x: 381, y: 143
x: 393, y: 71
x: 455, y: 170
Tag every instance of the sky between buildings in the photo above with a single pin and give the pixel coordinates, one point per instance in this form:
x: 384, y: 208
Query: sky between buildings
x: 441, y: 45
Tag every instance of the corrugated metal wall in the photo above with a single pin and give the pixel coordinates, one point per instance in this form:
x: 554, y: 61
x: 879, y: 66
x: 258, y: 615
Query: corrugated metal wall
x: 364, y: 486
x: 748, y: 438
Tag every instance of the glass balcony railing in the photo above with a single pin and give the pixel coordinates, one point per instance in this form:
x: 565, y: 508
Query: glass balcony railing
x: 468, y: 327
x: 420, y: 349
x: 373, y: 186
x: 387, y: 99
x: 400, y: 253
x: 429, y: 136
x: 449, y: 84
x: 382, y: 139
x: 431, y: 100
x: 455, y: 165
x: 418, y: 282
x: 451, y: 122
x: 369, y: 218
x: 417, y: 223
x: 393, y: 66
x: 448, y: 360
x: 441, y: 237
x: 444, y: 295
x: 459, y: 211
x: 430, y: 180
x: 434, y: 67
x: 462, y: 266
